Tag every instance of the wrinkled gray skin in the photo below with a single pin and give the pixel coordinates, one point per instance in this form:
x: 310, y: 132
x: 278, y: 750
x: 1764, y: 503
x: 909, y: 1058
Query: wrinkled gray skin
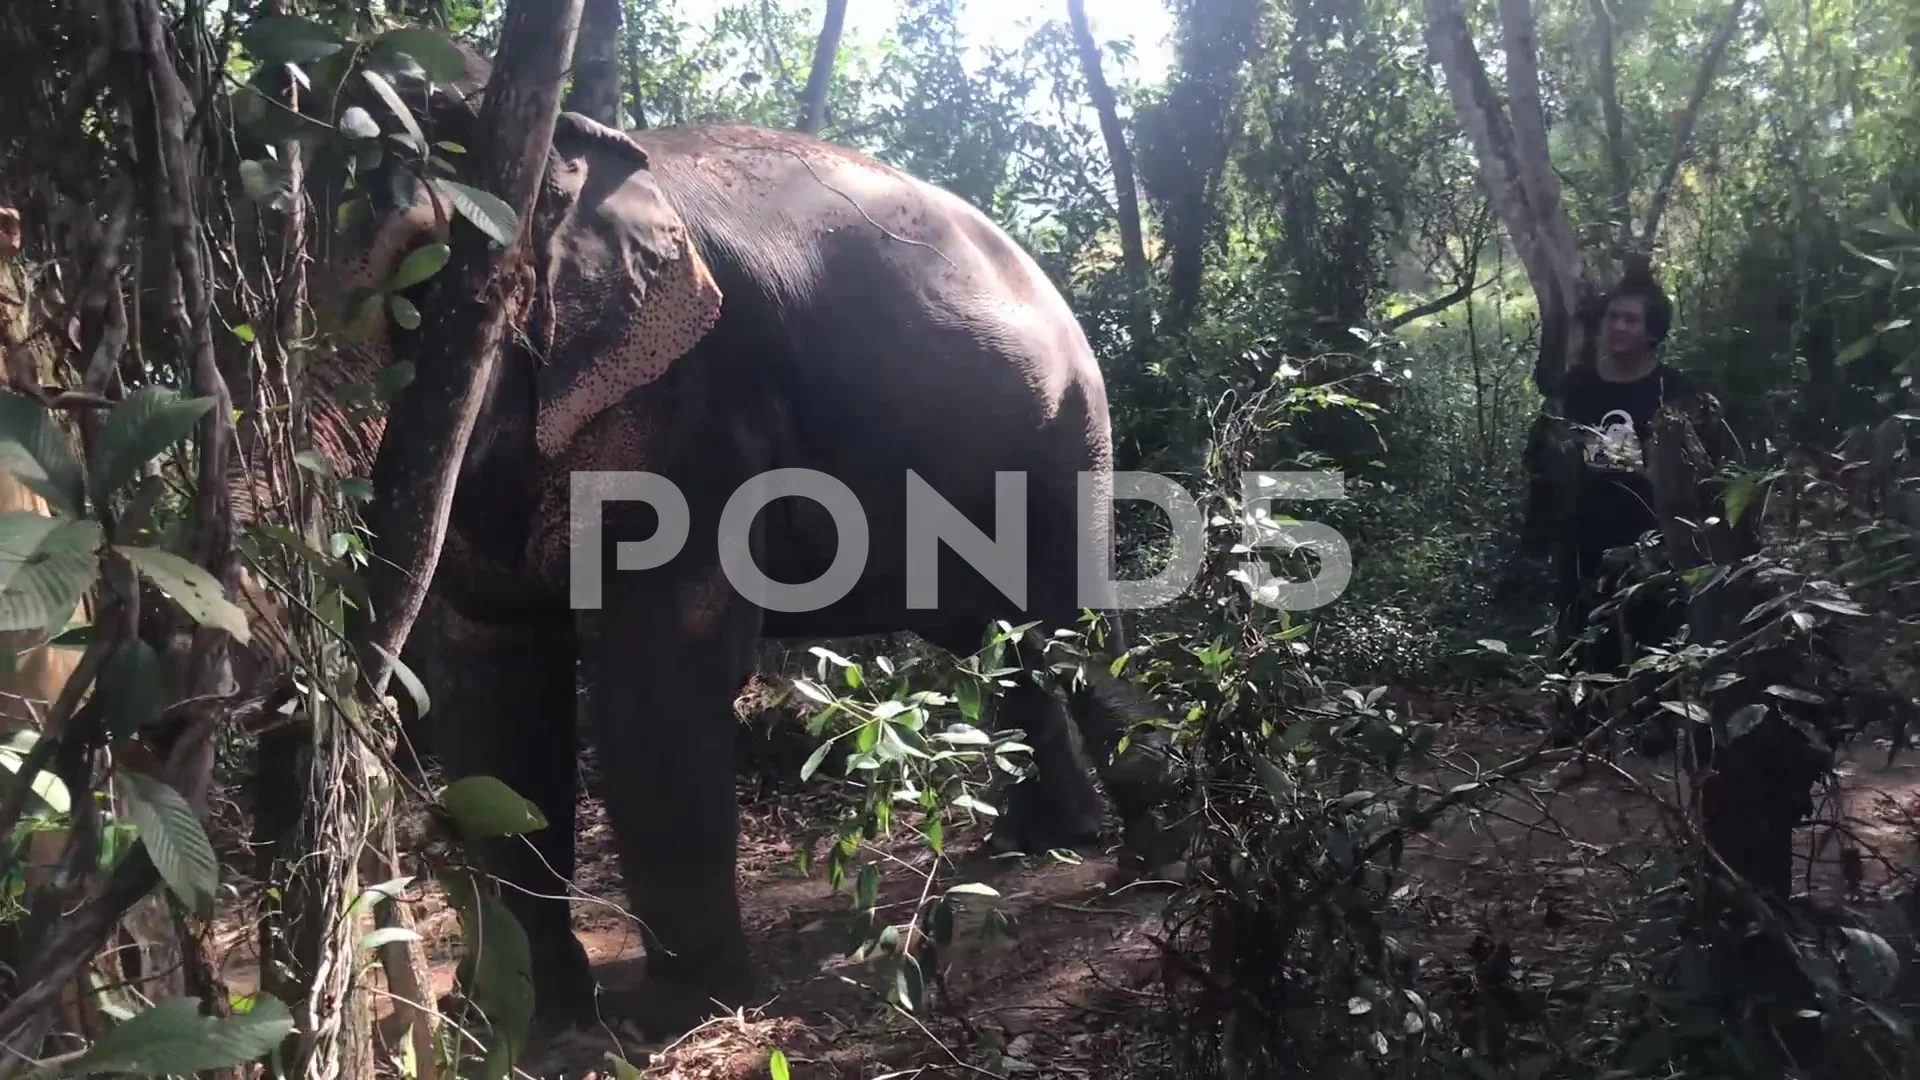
x: 715, y: 302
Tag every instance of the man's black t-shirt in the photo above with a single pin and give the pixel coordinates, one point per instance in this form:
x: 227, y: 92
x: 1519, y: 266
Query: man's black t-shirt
x: 1610, y: 424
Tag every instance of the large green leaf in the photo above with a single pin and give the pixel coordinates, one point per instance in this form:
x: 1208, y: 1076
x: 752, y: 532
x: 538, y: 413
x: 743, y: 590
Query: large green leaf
x: 195, y: 590
x: 497, y: 969
x: 140, y: 428
x: 173, y: 1039
x: 49, y: 787
x: 46, y: 566
x: 289, y: 39
x: 487, y: 212
x: 398, y: 107
x: 420, y: 264
x: 174, y: 838
x: 483, y: 806
x: 39, y: 453
x: 434, y: 52
x: 131, y: 684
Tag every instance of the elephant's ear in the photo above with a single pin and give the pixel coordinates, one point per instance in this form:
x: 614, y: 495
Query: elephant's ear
x: 623, y: 292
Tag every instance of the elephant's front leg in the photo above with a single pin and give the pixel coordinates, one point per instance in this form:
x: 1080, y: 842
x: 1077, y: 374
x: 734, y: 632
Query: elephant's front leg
x: 504, y: 705
x: 663, y: 661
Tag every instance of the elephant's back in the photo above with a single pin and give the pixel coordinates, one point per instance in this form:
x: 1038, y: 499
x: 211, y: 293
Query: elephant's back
x: 827, y: 234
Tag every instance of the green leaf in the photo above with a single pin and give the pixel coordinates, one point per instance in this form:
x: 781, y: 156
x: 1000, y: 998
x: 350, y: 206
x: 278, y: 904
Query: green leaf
x: 400, y: 111
x: 385, y: 935
x: 483, y: 806
x: 1737, y: 496
x: 404, y: 313
x: 46, y: 566
x: 49, y: 787
x: 388, y: 385
x: 1855, y: 351
x: 130, y: 683
x: 1872, y: 964
x: 420, y: 264
x: 37, y: 452
x: 497, y: 970
x: 777, y: 1065
x: 139, y: 429
x: 358, y: 123
x: 973, y: 888
x: 435, y: 53
x: 1492, y: 645
x: 195, y: 590
x: 289, y: 39
x: 814, y: 761
x: 1689, y: 710
x: 173, y: 1039
x: 255, y: 182
x: 487, y: 212
x: 1745, y: 719
x: 174, y: 838
x: 415, y: 688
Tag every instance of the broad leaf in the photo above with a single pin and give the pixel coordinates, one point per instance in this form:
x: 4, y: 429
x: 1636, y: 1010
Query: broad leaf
x: 196, y: 591
x: 487, y: 212
x: 174, y: 838
x: 420, y: 264
x: 386, y: 935
x: 46, y: 566
x: 400, y: 111
x: 404, y: 313
x: 289, y: 39
x: 41, y: 457
x: 130, y: 683
x: 415, y: 688
x: 357, y: 122
x: 173, y: 1039
x: 435, y: 53
x: 49, y: 787
x: 483, y: 806
x: 140, y: 428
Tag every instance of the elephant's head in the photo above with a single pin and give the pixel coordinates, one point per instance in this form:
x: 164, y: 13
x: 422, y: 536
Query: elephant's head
x: 622, y: 291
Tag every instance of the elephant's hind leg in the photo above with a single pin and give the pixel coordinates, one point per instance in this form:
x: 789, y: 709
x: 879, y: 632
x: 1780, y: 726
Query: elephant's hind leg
x: 664, y: 659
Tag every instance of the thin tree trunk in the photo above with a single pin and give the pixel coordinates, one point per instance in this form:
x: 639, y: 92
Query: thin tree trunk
x: 1133, y: 248
x: 464, y: 329
x: 1683, y: 134
x: 1621, y: 235
x: 596, y: 64
x: 813, y: 101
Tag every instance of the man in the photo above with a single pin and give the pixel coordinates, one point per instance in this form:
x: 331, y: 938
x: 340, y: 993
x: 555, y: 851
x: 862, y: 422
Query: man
x: 1610, y: 406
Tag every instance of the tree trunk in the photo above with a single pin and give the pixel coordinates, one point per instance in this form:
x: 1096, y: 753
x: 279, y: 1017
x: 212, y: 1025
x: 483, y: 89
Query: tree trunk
x: 596, y: 64
x: 478, y: 302
x: 1132, y: 245
x: 813, y: 101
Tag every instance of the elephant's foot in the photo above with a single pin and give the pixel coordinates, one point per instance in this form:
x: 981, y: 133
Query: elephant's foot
x: 1152, y: 849
x: 1039, y: 818
x: 660, y: 1009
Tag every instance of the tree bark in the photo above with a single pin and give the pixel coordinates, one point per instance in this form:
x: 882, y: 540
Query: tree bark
x: 1133, y: 248
x: 1621, y: 199
x: 596, y: 64
x: 813, y: 100
x: 464, y: 329
x: 1545, y: 246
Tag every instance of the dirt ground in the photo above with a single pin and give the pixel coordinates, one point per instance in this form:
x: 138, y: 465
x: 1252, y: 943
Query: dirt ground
x: 1071, y: 995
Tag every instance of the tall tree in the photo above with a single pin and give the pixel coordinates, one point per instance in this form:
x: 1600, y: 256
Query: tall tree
x: 813, y: 101
x: 596, y: 63
x: 1132, y: 247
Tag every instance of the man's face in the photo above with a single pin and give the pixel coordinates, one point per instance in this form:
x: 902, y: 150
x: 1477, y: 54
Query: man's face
x: 1626, y: 328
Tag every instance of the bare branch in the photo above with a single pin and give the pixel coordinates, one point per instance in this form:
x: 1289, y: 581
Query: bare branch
x: 1683, y: 135
x: 1622, y: 194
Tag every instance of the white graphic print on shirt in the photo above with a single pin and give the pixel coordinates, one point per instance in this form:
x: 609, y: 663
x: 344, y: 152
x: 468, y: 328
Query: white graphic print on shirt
x: 1615, y: 447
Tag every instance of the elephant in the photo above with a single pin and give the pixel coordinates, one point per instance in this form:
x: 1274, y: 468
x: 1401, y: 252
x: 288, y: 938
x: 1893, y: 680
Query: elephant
x: 713, y: 303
